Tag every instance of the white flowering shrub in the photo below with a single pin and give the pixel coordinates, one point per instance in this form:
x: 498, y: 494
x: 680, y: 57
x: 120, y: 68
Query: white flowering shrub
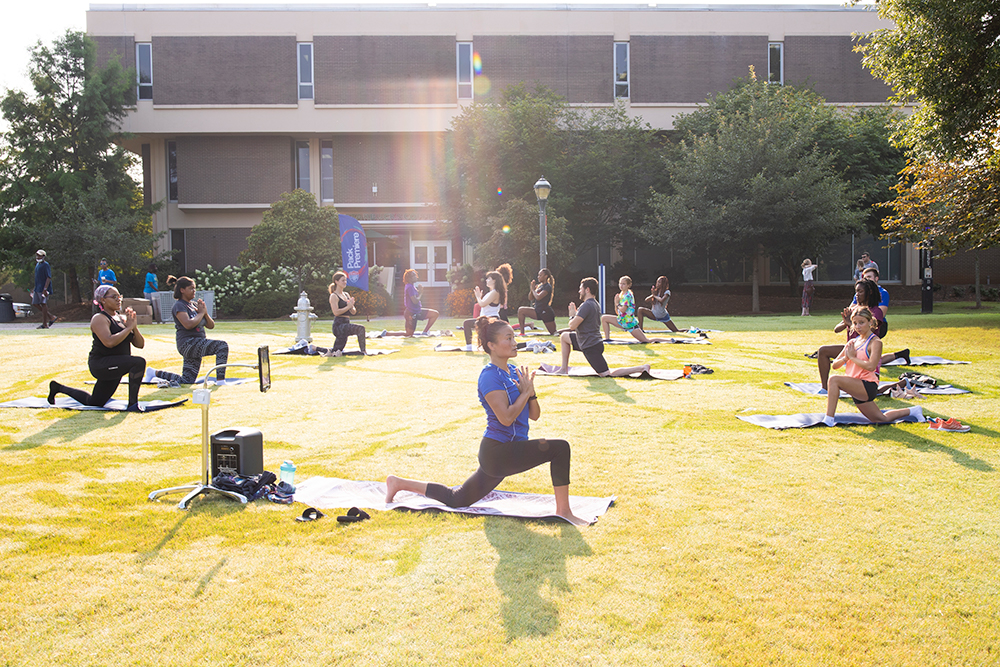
x: 233, y: 286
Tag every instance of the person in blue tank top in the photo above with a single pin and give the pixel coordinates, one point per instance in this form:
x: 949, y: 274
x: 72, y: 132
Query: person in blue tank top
x: 507, y: 393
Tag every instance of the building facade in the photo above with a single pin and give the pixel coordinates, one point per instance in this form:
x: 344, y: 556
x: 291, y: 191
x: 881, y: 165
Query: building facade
x: 236, y: 105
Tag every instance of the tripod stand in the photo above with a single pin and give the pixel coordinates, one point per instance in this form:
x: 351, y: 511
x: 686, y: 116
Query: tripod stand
x: 203, y: 397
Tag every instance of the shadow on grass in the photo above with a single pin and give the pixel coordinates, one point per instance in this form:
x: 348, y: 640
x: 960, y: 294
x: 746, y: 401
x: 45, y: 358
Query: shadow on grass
x: 529, y: 561
x: 71, y: 427
x: 612, y: 389
x: 921, y: 444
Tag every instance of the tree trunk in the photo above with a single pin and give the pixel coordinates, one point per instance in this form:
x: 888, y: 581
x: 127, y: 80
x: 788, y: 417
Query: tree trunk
x: 979, y: 296
x: 74, y: 285
x: 756, y: 282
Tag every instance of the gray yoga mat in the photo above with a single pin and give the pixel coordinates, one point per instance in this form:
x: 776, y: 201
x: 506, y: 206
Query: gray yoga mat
x: 806, y: 420
x: 816, y: 389
x: 676, y: 341
x: 924, y: 361
x: 67, y: 403
x: 587, y: 371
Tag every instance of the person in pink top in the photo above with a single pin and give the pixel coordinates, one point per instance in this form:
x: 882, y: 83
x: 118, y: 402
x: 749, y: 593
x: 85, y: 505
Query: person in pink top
x: 861, y: 359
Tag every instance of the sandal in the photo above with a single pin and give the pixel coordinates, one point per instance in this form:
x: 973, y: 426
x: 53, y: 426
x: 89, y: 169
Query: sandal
x: 354, y: 515
x: 310, y: 514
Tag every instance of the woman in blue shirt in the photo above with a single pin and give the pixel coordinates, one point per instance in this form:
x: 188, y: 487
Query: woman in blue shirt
x: 507, y: 393
x: 149, y: 290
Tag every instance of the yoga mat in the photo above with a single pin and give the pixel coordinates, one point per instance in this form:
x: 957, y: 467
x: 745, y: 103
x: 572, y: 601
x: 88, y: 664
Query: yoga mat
x: 816, y: 389
x: 816, y: 419
x: 444, y: 347
x: 676, y: 341
x: 329, y: 492
x: 419, y: 334
x: 587, y: 371
x: 314, y: 351
x: 163, y: 384
x: 924, y: 361
x: 67, y: 403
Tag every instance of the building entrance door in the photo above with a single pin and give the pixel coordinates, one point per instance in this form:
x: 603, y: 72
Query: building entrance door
x: 431, y: 259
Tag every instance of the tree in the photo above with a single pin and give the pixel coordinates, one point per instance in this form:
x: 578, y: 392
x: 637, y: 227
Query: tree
x: 515, y: 240
x: 62, y: 140
x: 295, y: 233
x: 749, y: 179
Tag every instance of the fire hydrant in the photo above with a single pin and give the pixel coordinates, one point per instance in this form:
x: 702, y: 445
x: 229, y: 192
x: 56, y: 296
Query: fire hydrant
x: 303, y: 316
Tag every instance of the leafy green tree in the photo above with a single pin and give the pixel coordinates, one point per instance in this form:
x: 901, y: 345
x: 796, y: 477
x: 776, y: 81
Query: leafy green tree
x: 515, y: 240
x: 296, y: 233
x: 62, y: 140
x: 751, y: 181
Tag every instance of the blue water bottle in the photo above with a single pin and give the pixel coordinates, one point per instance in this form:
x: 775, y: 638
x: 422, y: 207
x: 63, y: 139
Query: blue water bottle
x: 288, y: 472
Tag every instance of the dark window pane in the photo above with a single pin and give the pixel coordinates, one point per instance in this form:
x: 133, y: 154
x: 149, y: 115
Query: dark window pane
x: 172, y: 170
x: 302, y: 165
x: 326, y: 170
x: 420, y: 256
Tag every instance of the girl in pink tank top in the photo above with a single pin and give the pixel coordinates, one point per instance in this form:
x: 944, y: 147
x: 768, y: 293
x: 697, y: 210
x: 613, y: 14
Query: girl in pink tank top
x: 861, y: 357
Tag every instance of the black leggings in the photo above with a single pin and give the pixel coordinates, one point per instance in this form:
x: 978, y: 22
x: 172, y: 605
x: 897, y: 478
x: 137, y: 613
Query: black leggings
x: 503, y: 459
x: 108, y: 371
x: 343, y: 330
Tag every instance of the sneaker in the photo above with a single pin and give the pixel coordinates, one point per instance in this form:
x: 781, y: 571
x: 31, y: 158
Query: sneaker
x: 954, y: 426
x: 897, y: 392
x: 813, y: 355
x: 935, y: 423
x: 42, y: 326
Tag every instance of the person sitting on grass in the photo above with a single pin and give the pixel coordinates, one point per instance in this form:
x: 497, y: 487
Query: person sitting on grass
x: 489, y: 303
x: 658, y: 299
x: 114, y: 333
x: 860, y: 359
x: 413, y: 312
x: 342, y: 306
x: 540, y: 293
x: 507, y: 393
x: 584, y: 335
x: 625, y: 318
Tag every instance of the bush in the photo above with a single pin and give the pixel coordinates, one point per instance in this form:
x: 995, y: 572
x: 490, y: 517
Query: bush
x: 374, y: 302
x: 270, y: 305
x: 460, y: 303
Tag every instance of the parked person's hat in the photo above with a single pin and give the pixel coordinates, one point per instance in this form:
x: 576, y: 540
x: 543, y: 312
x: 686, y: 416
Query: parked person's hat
x: 40, y: 253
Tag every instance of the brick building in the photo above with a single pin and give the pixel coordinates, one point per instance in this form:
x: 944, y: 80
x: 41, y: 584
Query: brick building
x: 239, y: 104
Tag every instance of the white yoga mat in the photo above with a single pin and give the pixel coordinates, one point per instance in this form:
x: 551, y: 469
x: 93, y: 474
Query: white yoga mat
x: 816, y: 419
x: 163, y: 384
x: 587, y: 371
x: 924, y: 361
x: 816, y: 389
x: 329, y: 492
x: 419, y: 334
x: 67, y: 403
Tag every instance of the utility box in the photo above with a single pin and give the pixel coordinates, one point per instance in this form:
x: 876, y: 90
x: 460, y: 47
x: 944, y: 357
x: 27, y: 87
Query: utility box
x: 237, y: 451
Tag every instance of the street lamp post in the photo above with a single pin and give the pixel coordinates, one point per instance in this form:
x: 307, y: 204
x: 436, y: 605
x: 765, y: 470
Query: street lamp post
x: 542, y: 189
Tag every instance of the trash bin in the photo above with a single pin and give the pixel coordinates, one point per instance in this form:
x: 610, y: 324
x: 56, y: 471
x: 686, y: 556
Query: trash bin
x: 6, y: 308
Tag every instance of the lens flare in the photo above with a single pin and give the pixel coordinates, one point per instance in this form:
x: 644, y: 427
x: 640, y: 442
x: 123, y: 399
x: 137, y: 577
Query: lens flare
x: 500, y: 192
x: 477, y: 63
x: 506, y: 229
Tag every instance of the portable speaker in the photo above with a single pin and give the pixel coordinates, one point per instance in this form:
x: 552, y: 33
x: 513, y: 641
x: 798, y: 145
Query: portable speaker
x: 237, y: 451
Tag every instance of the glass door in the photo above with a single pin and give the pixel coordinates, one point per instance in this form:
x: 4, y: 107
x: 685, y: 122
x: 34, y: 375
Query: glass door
x: 431, y: 259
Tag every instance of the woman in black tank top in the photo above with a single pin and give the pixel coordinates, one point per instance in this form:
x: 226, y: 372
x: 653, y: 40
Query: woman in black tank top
x: 114, y: 334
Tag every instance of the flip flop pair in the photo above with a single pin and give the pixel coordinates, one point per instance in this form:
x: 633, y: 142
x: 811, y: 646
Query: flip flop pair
x: 354, y: 515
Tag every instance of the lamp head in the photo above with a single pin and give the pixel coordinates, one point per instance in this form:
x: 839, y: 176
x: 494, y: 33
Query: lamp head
x: 542, y: 189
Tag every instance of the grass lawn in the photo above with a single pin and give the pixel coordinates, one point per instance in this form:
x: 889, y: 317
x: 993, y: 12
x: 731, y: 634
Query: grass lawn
x: 729, y: 544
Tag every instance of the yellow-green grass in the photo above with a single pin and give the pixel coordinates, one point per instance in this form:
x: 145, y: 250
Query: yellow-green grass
x: 729, y: 544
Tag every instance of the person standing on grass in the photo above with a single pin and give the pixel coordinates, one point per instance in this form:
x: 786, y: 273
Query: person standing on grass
x: 43, y: 287
x: 342, y: 306
x: 808, y: 289
x: 585, y: 335
x: 507, y: 393
x: 149, y: 289
x: 868, y: 261
x: 659, y: 297
x: 114, y: 333
x: 861, y: 361
x: 540, y: 294
x: 413, y: 312
x: 106, y: 276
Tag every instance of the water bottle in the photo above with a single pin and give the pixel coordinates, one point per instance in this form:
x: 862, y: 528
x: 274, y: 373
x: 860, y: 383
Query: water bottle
x: 288, y: 472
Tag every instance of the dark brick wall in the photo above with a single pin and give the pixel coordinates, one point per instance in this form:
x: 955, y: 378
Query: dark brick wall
x: 233, y: 170
x: 681, y: 68
x: 224, y: 70
x: 960, y: 268
x: 831, y: 66
x: 580, y: 68
x: 219, y: 246
x: 387, y: 69
x: 403, y: 165
x: 108, y: 47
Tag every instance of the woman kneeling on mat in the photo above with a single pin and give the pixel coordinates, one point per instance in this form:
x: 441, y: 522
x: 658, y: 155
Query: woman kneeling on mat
x: 114, y: 333
x: 861, y: 359
x: 342, y: 306
x: 659, y: 297
x: 489, y: 303
x: 507, y: 393
x: 190, y: 320
x: 540, y: 294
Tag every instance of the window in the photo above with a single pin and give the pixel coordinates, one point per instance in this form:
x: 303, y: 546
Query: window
x: 305, y: 71
x: 302, y: 165
x: 144, y: 71
x: 326, y: 170
x: 465, y: 73
x: 621, y: 69
x: 172, y: 170
x: 775, y: 62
